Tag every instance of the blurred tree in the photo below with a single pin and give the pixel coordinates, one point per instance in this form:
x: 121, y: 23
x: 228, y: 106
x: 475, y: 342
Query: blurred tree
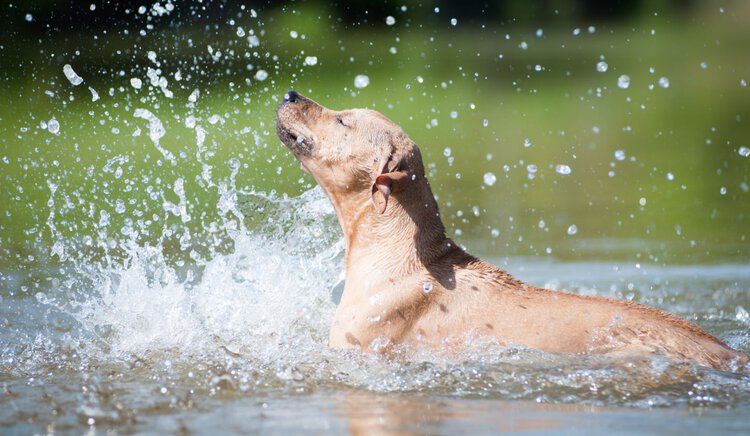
x: 94, y: 16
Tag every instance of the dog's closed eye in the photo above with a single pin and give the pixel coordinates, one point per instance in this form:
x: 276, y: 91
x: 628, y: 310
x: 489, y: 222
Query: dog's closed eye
x: 340, y: 120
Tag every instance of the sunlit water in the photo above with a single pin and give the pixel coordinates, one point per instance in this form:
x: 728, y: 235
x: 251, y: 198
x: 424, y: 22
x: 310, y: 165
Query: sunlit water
x: 160, y: 294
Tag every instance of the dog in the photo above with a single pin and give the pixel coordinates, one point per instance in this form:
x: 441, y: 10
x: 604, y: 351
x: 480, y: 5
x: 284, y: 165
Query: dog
x: 407, y: 283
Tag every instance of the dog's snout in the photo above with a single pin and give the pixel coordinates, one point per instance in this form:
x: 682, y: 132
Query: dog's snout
x: 291, y: 96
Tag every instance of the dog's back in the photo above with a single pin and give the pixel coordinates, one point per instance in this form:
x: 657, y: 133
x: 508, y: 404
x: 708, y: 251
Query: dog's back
x: 489, y: 301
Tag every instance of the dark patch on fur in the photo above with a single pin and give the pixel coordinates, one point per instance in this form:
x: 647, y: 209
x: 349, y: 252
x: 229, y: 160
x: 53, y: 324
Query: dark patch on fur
x: 352, y: 339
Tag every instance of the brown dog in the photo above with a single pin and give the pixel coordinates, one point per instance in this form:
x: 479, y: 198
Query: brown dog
x: 407, y: 283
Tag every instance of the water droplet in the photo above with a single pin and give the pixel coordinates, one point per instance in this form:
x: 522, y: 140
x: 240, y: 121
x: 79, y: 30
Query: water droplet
x: 311, y: 60
x: 620, y: 154
x: 664, y: 82
x: 531, y: 168
x: 293, y: 34
x: 572, y: 229
x: 489, y: 179
x: 29, y: 18
x: 563, y: 169
x: 527, y: 143
x: 670, y: 176
x: 642, y: 201
x: 485, y: 122
x: 240, y: 32
x: 454, y: 115
x: 704, y: 65
x: 454, y: 21
x: 193, y: 97
x: 103, y: 218
x: 94, y: 94
x: 361, y: 81
x: 389, y: 20
x: 71, y: 75
x: 723, y: 190
x: 623, y: 82
x: 602, y: 67
x: 120, y: 206
x: 742, y: 315
x: 300, y: 139
x: 426, y: 287
x: 233, y: 164
x: 495, y: 233
x: 744, y: 151
x: 53, y: 126
x: 447, y: 151
x: 379, y: 344
x: 539, y: 33
x: 136, y: 83
x: 261, y: 75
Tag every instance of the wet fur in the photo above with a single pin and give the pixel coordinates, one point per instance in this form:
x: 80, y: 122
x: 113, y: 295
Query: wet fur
x: 395, y: 243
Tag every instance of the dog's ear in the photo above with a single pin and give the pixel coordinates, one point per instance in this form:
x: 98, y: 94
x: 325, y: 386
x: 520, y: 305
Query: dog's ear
x: 391, y: 179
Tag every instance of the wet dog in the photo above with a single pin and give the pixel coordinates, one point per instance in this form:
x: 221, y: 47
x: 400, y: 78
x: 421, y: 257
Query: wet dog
x: 407, y: 283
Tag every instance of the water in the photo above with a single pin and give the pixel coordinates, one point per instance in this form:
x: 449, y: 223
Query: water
x: 71, y: 75
x: 489, y: 179
x: 166, y: 267
x: 242, y: 345
x: 623, y: 82
x: 361, y: 81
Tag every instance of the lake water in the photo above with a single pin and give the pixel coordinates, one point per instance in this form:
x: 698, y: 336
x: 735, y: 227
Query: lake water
x: 239, y: 344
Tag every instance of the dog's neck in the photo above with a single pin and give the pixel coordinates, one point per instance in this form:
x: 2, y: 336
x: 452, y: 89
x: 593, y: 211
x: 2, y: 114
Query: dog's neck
x: 406, y: 238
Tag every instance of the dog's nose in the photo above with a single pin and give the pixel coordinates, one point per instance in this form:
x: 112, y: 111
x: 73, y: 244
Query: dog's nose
x: 291, y: 96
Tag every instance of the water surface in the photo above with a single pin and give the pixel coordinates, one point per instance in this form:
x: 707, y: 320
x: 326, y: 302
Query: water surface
x: 241, y: 346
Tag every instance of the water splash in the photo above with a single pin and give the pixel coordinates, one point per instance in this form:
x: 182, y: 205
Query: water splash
x: 263, y: 292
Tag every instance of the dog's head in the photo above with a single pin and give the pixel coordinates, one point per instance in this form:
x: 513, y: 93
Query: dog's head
x: 349, y: 152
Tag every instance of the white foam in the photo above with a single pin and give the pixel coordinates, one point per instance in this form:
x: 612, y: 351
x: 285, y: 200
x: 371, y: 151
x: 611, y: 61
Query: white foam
x: 270, y: 288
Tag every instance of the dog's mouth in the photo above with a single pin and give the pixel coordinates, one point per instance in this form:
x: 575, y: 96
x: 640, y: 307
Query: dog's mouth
x: 291, y: 123
x: 298, y: 143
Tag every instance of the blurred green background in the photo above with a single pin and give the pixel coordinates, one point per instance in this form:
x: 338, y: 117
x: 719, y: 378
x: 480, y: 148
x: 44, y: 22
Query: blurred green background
x: 531, y: 145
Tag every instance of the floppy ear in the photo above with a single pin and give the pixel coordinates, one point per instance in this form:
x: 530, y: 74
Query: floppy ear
x: 391, y: 180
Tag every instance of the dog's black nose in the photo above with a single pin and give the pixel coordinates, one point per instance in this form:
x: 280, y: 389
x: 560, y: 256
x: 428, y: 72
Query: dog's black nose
x: 291, y: 96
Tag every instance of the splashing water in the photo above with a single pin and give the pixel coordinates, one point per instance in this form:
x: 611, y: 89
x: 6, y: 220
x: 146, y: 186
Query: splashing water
x: 244, y: 302
x: 71, y: 75
x: 361, y: 81
x: 623, y: 82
